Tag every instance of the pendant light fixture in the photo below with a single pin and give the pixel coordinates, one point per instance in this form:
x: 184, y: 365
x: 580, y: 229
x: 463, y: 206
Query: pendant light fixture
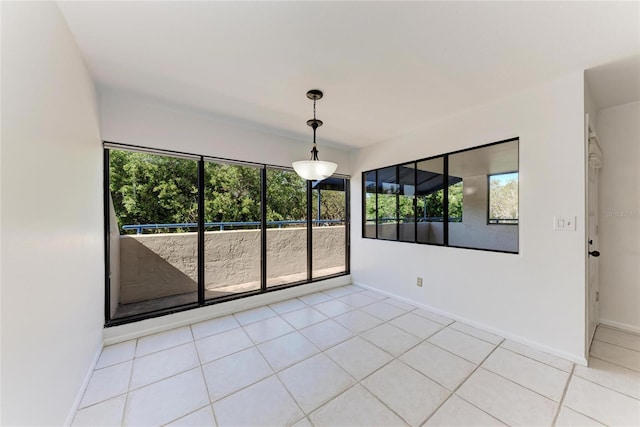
x: 314, y: 169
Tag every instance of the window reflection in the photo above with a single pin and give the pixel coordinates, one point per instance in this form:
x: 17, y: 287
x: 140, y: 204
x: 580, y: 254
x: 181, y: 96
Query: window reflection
x: 475, y: 168
x: 430, y: 201
x: 388, y: 189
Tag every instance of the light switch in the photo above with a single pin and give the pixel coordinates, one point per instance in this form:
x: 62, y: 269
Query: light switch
x: 564, y: 223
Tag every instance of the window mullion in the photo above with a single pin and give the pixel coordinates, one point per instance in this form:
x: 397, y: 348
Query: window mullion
x: 201, y: 256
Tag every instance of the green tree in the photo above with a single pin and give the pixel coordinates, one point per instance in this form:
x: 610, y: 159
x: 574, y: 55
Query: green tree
x: 332, y: 204
x: 152, y: 189
x: 432, y: 205
x: 232, y: 193
x: 455, y: 200
x: 286, y: 196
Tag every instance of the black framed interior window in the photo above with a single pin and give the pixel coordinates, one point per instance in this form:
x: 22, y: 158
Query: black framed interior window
x: 407, y: 202
x: 465, y: 199
x: 185, y: 230
x: 370, y: 205
x: 387, y: 192
x: 430, y: 206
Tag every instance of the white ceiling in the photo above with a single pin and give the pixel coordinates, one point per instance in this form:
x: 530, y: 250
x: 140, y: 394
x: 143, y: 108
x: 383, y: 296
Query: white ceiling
x: 615, y: 83
x: 385, y: 67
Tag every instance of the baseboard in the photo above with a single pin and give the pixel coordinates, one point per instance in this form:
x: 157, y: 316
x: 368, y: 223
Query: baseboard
x: 581, y: 360
x: 619, y: 325
x: 83, y: 387
x: 134, y: 330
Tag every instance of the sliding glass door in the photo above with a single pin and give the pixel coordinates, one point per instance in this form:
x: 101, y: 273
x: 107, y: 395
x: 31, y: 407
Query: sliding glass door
x: 329, y: 219
x: 286, y: 227
x: 232, y: 229
x: 153, y: 239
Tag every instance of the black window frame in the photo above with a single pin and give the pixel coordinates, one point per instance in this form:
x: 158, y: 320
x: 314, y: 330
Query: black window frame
x: 446, y: 177
x: 202, y: 302
x: 499, y: 220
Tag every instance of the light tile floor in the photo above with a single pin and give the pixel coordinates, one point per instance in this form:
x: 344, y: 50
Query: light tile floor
x: 348, y: 357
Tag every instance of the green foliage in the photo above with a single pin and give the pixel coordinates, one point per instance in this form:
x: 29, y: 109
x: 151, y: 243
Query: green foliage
x: 503, y: 199
x: 232, y: 193
x: 455, y: 200
x: 430, y: 205
x: 332, y: 204
x: 286, y: 196
x: 154, y: 189
x: 147, y: 188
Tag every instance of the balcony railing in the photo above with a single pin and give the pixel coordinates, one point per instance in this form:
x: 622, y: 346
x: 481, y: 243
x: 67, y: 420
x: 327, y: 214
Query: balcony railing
x: 229, y: 224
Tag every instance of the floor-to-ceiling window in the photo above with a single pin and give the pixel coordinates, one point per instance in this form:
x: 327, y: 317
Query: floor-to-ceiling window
x: 186, y: 230
x: 329, y: 219
x: 153, y: 212
x: 233, y: 229
x: 286, y: 227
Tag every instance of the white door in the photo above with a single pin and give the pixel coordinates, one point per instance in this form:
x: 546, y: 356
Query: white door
x: 594, y: 163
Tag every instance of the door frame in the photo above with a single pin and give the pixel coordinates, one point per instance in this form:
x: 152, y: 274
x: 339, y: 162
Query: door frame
x: 592, y: 148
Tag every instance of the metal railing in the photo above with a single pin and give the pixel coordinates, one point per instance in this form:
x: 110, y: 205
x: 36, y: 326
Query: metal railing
x: 411, y: 219
x: 228, y: 224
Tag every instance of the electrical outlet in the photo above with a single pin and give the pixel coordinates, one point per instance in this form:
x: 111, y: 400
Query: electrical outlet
x: 419, y: 283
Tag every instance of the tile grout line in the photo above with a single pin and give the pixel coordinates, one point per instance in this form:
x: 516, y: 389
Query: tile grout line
x: 125, y: 393
x: 357, y: 382
x: 613, y: 363
x: 564, y: 394
x: 457, y: 355
x: 354, y: 335
x: 604, y: 386
x: 453, y: 392
x: 420, y: 340
x: 204, y: 379
x: 187, y: 414
x: 254, y: 321
x: 310, y: 324
x: 277, y: 378
x: 328, y: 402
x: 397, y: 358
x: 521, y: 385
x: 616, y: 345
x: 473, y: 336
x: 129, y: 390
x: 536, y: 360
x: 126, y: 399
x: 193, y: 341
x: 135, y: 356
x: 584, y: 415
x: 618, y: 329
x: 187, y: 369
x: 275, y: 372
x: 419, y: 373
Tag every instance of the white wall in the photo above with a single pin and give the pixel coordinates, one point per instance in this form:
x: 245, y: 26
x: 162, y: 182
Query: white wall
x: 537, y: 296
x: 619, y: 133
x: 52, y: 242
x: 132, y: 118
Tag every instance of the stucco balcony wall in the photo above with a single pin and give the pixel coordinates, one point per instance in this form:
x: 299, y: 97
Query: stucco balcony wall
x: 161, y: 265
